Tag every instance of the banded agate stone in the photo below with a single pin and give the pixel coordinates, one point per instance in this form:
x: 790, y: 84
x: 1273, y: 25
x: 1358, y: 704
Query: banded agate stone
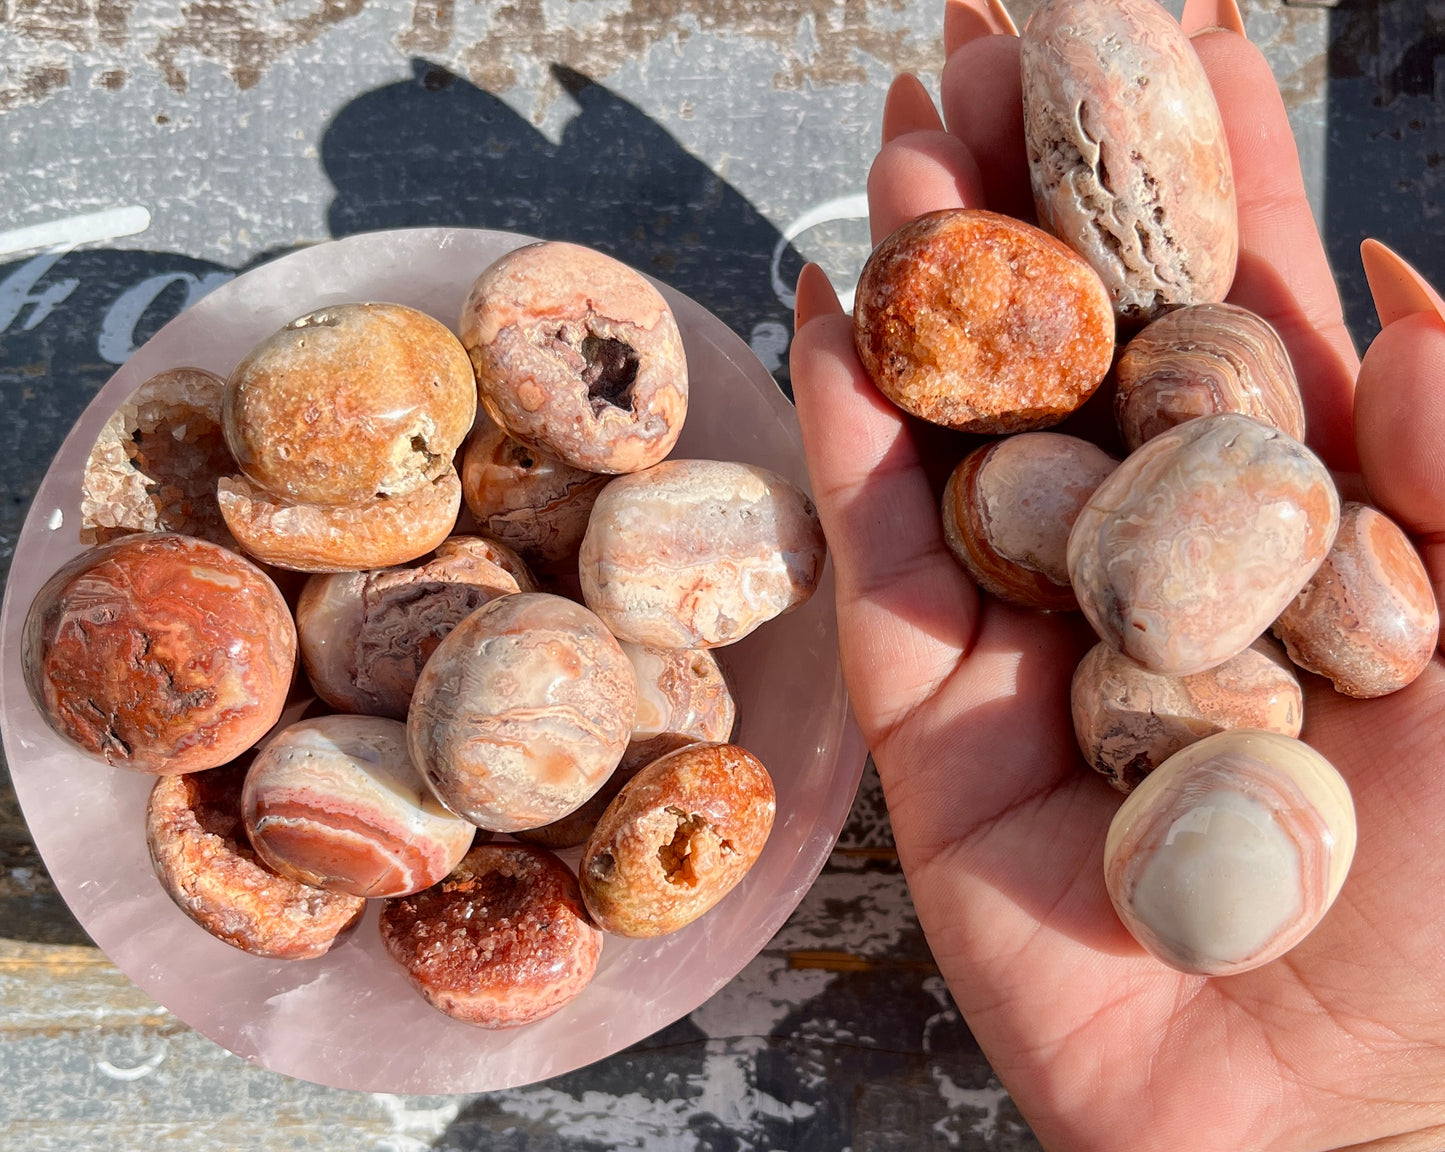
x: 1231, y: 852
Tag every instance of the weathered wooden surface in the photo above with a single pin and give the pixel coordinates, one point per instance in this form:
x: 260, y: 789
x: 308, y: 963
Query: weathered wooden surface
x: 716, y: 143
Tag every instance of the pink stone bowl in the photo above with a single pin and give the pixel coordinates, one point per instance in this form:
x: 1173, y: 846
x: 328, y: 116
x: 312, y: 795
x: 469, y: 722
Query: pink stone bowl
x: 350, y: 1019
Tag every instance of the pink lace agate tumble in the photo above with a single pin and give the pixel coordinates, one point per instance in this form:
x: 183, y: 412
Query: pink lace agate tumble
x: 526, y: 498
x: 1008, y: 508
x: 1127, y: 153
x: 522, y: 712
x: 579, y: 355
x: 1129, y: 720
x: 1190, y: 549
x: 699, y: 553
x: 504, y: 942
x: 1367, y: 619
x: 1203, y: 359
x: 365, y: 636
x: 336, y: 803
x: 160, y: 652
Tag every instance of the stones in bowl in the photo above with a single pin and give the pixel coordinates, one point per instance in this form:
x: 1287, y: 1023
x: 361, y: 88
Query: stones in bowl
x: 1008, y: 508
x: 1193, y: 545
x: 1229, y: 853
x: 699, y: 553
x: 502, y: 942
x: 1127, y: 154
x: 1367, y: 619
x: 335, y: 802
x: 982, y: 323
x: 578, y: 355
x: 522, y: 712
x: 1199, y: 360
x: 678, y: 838
x: 160, y: 652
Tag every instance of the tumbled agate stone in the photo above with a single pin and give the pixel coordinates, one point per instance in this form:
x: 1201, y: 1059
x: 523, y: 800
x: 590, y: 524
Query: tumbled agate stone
x: 526, y: 498
x: 1203, y: 359
x: 1230, y: 852
x: 349, y: 403
x: 335, y: 802
x: 366, y: 635
x: 1008, y: 508
x: 1368, y: 618
x: 160, y: 652
x: 1129, y: 720
x: 678, y: 838
x: 522, y: 712
x: 1127, y: 153
x: 981, y: 322
x: 1191, y: 548
x: 579, y: 355
x: 375, y: 533
x: 682, y: 698
x: 698, y: 553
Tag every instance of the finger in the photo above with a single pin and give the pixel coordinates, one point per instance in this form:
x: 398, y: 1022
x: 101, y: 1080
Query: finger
x: 1396, y: 288
x: 965, y: 21
x: 908, y: 108
x: 982, y: 96
x: 1209, y: 15
x: 906, y: 611
x: 1283, y: 272
x: 1400, y: 406
x: 917, y: 173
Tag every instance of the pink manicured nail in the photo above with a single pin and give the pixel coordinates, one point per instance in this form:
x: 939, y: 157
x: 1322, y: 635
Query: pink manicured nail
x: 967, y: 20
x: 908, y: 108
x: 1204, y: 15
x: 1398, y: 290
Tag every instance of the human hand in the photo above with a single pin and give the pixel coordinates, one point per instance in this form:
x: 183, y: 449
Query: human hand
x: 964, y: 700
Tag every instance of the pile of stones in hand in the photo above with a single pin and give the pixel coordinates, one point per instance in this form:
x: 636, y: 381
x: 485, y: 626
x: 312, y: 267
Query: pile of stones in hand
x: 349, y: 685
x: 1219, y: 526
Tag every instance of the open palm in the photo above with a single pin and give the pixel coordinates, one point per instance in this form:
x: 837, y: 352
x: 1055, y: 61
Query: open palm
x: 964, y: 700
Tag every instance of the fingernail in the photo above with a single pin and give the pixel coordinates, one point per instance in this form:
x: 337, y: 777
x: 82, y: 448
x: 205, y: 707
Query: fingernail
x: 968, y: 20
x: 1398, y: 290
x: 815, y: 297
x: 908, y: 108
x: 1206, y: 15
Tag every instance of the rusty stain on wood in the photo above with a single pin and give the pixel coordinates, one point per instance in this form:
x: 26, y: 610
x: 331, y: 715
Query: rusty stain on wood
x: 829, y: 961
x: 246, y: 37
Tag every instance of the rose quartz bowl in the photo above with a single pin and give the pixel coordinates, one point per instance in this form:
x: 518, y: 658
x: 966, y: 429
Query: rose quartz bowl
x: 351, y: 1019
